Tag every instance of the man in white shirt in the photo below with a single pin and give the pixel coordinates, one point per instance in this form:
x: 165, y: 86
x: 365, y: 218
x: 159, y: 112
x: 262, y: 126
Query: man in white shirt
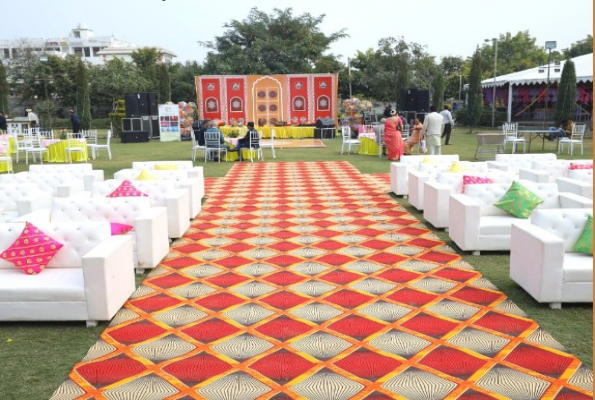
x: 433, y: 128
x: 448, y: 124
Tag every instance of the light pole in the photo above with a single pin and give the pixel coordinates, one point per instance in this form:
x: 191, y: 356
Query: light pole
x: 46, y: 79
x: 549, y: 45
x: 349, y: 74
x: 460, y: 84
x: 495, y: 42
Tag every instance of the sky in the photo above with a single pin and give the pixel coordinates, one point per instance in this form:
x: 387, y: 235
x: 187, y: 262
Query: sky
x: 453, y: 28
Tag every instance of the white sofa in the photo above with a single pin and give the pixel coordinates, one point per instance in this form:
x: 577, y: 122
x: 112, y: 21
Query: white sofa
x: 21, y: 198
x: 437, y: 193
x: 515, y: 162
x: 475, y: 224
x: 60, y: 184
x: 579, y: 181
x: 193, y: 172
x: 428, y: 172
x: 89, y: 278
x: 160, y: 194
x: 542, y: 260
x: 399, y: 171
x: 83, y: 171
x: 195, y: 186
x: 150, y: 243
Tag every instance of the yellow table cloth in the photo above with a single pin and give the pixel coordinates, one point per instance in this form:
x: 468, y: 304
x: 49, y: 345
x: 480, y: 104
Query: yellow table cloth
x: 368, y: 147
x: 4, y: 139
x: 281, y: 132
x: 57, y: 151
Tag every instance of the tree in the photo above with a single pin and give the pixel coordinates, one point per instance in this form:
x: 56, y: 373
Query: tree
x: 83, y: 99
x: 164, y: 84
x: 146, y: 61
x: 183, y: 86
x: 475, y: 95
x: 4, y: 106
x: 438, y: 91
x: 579, y: 48
x: 453, y: 70
x: 263, y: 44
x: 566, y: 94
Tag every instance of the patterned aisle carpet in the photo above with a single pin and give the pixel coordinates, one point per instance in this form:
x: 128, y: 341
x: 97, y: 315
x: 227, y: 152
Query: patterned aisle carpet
x: 308, y: 281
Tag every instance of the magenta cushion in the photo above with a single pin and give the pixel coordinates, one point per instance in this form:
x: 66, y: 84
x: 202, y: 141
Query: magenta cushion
x: 32, y: 251
x: 473, y: 180
x: 581, y: 165
x: 120, y: 229
x: 127, y: 189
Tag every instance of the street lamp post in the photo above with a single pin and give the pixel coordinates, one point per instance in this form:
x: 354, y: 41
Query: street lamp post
x: 549, y: 45
x: 460, y: 84
x: 495, y: 42
x: 46, y: 79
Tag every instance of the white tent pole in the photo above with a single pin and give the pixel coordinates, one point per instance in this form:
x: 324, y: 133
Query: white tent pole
x: 509, y: 110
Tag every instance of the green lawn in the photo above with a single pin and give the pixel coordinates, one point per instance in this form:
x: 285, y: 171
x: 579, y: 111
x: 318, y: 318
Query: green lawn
x: 36, y: 357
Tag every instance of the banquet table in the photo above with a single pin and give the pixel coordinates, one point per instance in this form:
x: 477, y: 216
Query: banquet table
x: 534, y: 134
x: 281, y: 132
x: 369, y: 145
x: 8, y: 140
x: 57, y: 150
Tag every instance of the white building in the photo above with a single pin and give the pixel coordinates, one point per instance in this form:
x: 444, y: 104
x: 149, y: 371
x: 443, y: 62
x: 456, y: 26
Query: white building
x: 81, y: 41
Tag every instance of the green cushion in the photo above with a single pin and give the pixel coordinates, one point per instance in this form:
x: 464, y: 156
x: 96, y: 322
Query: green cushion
x: 519, y: 201
x: 584, y: 244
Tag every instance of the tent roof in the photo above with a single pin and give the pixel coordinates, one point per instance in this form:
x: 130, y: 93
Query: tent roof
x: 538, y: 75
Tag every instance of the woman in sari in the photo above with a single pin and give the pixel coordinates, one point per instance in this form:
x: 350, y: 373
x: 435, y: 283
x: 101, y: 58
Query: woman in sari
x: 392, y: 136
x: 415, y: 137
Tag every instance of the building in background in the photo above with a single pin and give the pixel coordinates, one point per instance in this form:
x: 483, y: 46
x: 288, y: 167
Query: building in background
x: 81, y: 41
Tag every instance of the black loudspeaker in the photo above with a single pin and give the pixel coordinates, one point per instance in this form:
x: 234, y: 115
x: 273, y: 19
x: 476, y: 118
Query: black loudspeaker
x: 134, y: 137
x: 155, y: 133
x: 409, y: 99
x: 140, y: 104
x: 423, y: 100
x: 325, y: 123
x: 131, y: 124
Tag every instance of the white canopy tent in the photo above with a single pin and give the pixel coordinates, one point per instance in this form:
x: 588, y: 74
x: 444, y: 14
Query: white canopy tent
x: 539, y: 75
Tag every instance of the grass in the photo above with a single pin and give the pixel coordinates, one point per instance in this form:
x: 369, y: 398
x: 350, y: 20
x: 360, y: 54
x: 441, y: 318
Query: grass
x: 36, y: 357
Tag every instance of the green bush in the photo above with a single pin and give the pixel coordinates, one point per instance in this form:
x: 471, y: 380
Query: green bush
x: 64, y: 123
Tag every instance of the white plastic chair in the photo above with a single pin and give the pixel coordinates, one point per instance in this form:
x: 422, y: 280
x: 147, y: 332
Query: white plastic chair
x: 213, y: 146
x: 196, y: 146
x: 95, y: 147
x: 33, y: 146
x: 347, y: 140
x: 267, y: 144
x: 254, y: 145
x: 511, y: 132
x: 406, y: 132
x: 380, y: 140
x: 71, y: 147
x: 576, y: 138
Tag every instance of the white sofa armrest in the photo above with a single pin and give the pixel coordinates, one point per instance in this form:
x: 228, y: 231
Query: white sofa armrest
x: 177, y: 203
x: 29, y: 204
x: 502, y: 166
x: 196, y: 172
x: 463, y: 221
x: 37, y: 216
x: 415, y: 185
x: 68, y: 190
x: 536, y: 259
x: 569, y: 185
x: 196, y: 192
x: 436, y: 203
x: 152, y: 243
x: 108, y: 272
x: 398, y: 178
x: 89, y: 177
x: 534, y: 175
x: 572, y: 200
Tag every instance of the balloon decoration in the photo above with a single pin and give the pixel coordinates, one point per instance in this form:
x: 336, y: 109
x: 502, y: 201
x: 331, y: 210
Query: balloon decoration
x: 187, y: 113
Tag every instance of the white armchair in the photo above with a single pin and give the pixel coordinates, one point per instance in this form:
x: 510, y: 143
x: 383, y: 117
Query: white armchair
x: 579, y: 181
x: 150, y: 243
x: 437, y: 193
x: 399, y: 171
x: 22, y: 198
x: 180, y: 177
x: 514, y: 162
x: 549, y: 171
x: 89, y: 278
x: 60, y: 184
x: 428, y: 172
x: 542, y: 260
x: 193, y: 172
x: 475, y: 224
x: 160, y: 194
x: 83, y: 171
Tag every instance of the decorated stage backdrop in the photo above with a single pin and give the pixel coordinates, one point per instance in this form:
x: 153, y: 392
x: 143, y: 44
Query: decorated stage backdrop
x: 267, y: 99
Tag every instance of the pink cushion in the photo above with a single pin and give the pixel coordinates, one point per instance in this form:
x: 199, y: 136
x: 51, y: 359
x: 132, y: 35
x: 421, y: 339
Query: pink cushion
x: 581, y: 165
x: 127, y: 189
x: 32, y: 251
x: 120, y: 229
x: 473, y: 180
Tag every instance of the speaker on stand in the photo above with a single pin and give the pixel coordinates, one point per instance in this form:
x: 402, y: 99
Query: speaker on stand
x: 324, y: 126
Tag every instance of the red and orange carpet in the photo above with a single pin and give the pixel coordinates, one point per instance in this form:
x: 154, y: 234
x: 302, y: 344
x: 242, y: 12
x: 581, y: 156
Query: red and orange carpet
x: 308, y: 281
